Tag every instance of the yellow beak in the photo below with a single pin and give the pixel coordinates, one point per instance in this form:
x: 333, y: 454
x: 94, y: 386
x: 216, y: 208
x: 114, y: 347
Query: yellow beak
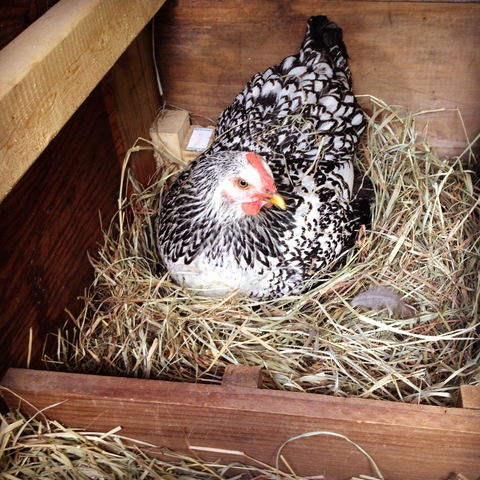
x: 277, y: 200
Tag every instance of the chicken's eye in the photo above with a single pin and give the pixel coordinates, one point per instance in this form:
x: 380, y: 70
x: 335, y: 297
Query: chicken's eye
x: 242, y: 183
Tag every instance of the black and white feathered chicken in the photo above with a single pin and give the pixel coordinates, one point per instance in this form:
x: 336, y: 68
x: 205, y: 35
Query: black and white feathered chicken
x: 273, y: 202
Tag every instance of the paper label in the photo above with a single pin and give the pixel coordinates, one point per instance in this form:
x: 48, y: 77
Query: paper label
x: 200, y: 139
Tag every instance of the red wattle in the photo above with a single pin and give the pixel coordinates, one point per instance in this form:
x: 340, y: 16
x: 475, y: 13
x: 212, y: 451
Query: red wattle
x: 252, y: 208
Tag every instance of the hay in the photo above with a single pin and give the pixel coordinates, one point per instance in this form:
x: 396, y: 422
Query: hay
x: 423, y: 245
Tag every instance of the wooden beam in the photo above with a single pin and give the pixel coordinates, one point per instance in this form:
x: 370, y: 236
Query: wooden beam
x: 405, y: 441
x: 469, y: 396
x: 49, y: 70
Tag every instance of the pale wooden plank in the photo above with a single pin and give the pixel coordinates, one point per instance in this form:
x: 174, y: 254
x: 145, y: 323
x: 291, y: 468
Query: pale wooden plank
x: 17, y: 16
x: 49, y: 70
x: 406, y: 441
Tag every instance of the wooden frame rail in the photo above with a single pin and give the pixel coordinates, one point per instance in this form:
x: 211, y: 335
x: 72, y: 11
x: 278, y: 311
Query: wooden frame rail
x: 405, y: 441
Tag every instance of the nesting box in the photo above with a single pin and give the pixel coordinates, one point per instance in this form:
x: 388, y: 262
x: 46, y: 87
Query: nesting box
x: 78, y: 87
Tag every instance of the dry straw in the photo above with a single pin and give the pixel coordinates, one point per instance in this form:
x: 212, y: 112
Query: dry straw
x: 423, y: 246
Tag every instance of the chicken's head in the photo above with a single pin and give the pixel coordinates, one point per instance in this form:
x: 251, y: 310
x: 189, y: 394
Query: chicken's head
x: 253, y: 186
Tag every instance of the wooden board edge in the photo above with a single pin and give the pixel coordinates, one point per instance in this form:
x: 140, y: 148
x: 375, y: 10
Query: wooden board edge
x: 178, y: 415
x: 61, y: 385
x: 469, y: 397
x: 248, y: 376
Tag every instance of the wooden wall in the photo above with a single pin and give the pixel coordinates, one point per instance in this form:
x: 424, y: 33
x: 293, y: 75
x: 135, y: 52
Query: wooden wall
x: 51, y: 218
x: 421, y: 55
x: 48, y: 223
x: 407, y: 441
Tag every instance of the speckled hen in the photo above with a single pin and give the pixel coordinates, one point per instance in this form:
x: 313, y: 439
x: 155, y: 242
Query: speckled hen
x: 275, y: 201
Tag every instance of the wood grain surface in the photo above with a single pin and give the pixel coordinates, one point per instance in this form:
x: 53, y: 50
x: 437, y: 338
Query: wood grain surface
x: 406, y: 441
x: 248, y: 376
x: 420, y: 55
x: 49, y: 70
x: 136, y: 100
x: 469, y: 396
x: 48, y: 223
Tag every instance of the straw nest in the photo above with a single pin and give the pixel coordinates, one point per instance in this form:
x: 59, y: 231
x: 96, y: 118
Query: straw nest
x: 412, y: 336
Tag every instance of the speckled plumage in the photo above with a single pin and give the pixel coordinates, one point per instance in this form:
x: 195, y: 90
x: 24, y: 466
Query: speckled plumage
x: 302, y: 118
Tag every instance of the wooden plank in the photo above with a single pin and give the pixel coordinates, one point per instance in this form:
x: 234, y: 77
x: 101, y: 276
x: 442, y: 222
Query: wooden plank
x: 406, y: 441
x: 420, y: 55
x: 469, y: 396
x: 136, y: 99
x: 49, y: 70
x: 48, y: 223
x: 246, y: 376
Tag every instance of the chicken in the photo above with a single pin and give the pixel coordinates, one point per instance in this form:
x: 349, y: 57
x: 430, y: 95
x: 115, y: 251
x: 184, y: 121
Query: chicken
x: 274, y: 202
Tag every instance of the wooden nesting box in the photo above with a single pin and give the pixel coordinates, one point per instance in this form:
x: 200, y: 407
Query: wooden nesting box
x: 77, y: 88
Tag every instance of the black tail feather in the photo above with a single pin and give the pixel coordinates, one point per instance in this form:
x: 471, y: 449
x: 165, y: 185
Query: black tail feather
x: 323, y: 34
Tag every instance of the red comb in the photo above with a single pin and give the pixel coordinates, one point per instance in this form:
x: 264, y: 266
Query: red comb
x: 256, y: 163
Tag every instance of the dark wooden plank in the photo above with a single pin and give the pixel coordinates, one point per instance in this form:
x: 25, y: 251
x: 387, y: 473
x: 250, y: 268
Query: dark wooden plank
x: 136, y: 99
x: 406, y: 441
x: 419, y: 55
x: 47, y: 224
